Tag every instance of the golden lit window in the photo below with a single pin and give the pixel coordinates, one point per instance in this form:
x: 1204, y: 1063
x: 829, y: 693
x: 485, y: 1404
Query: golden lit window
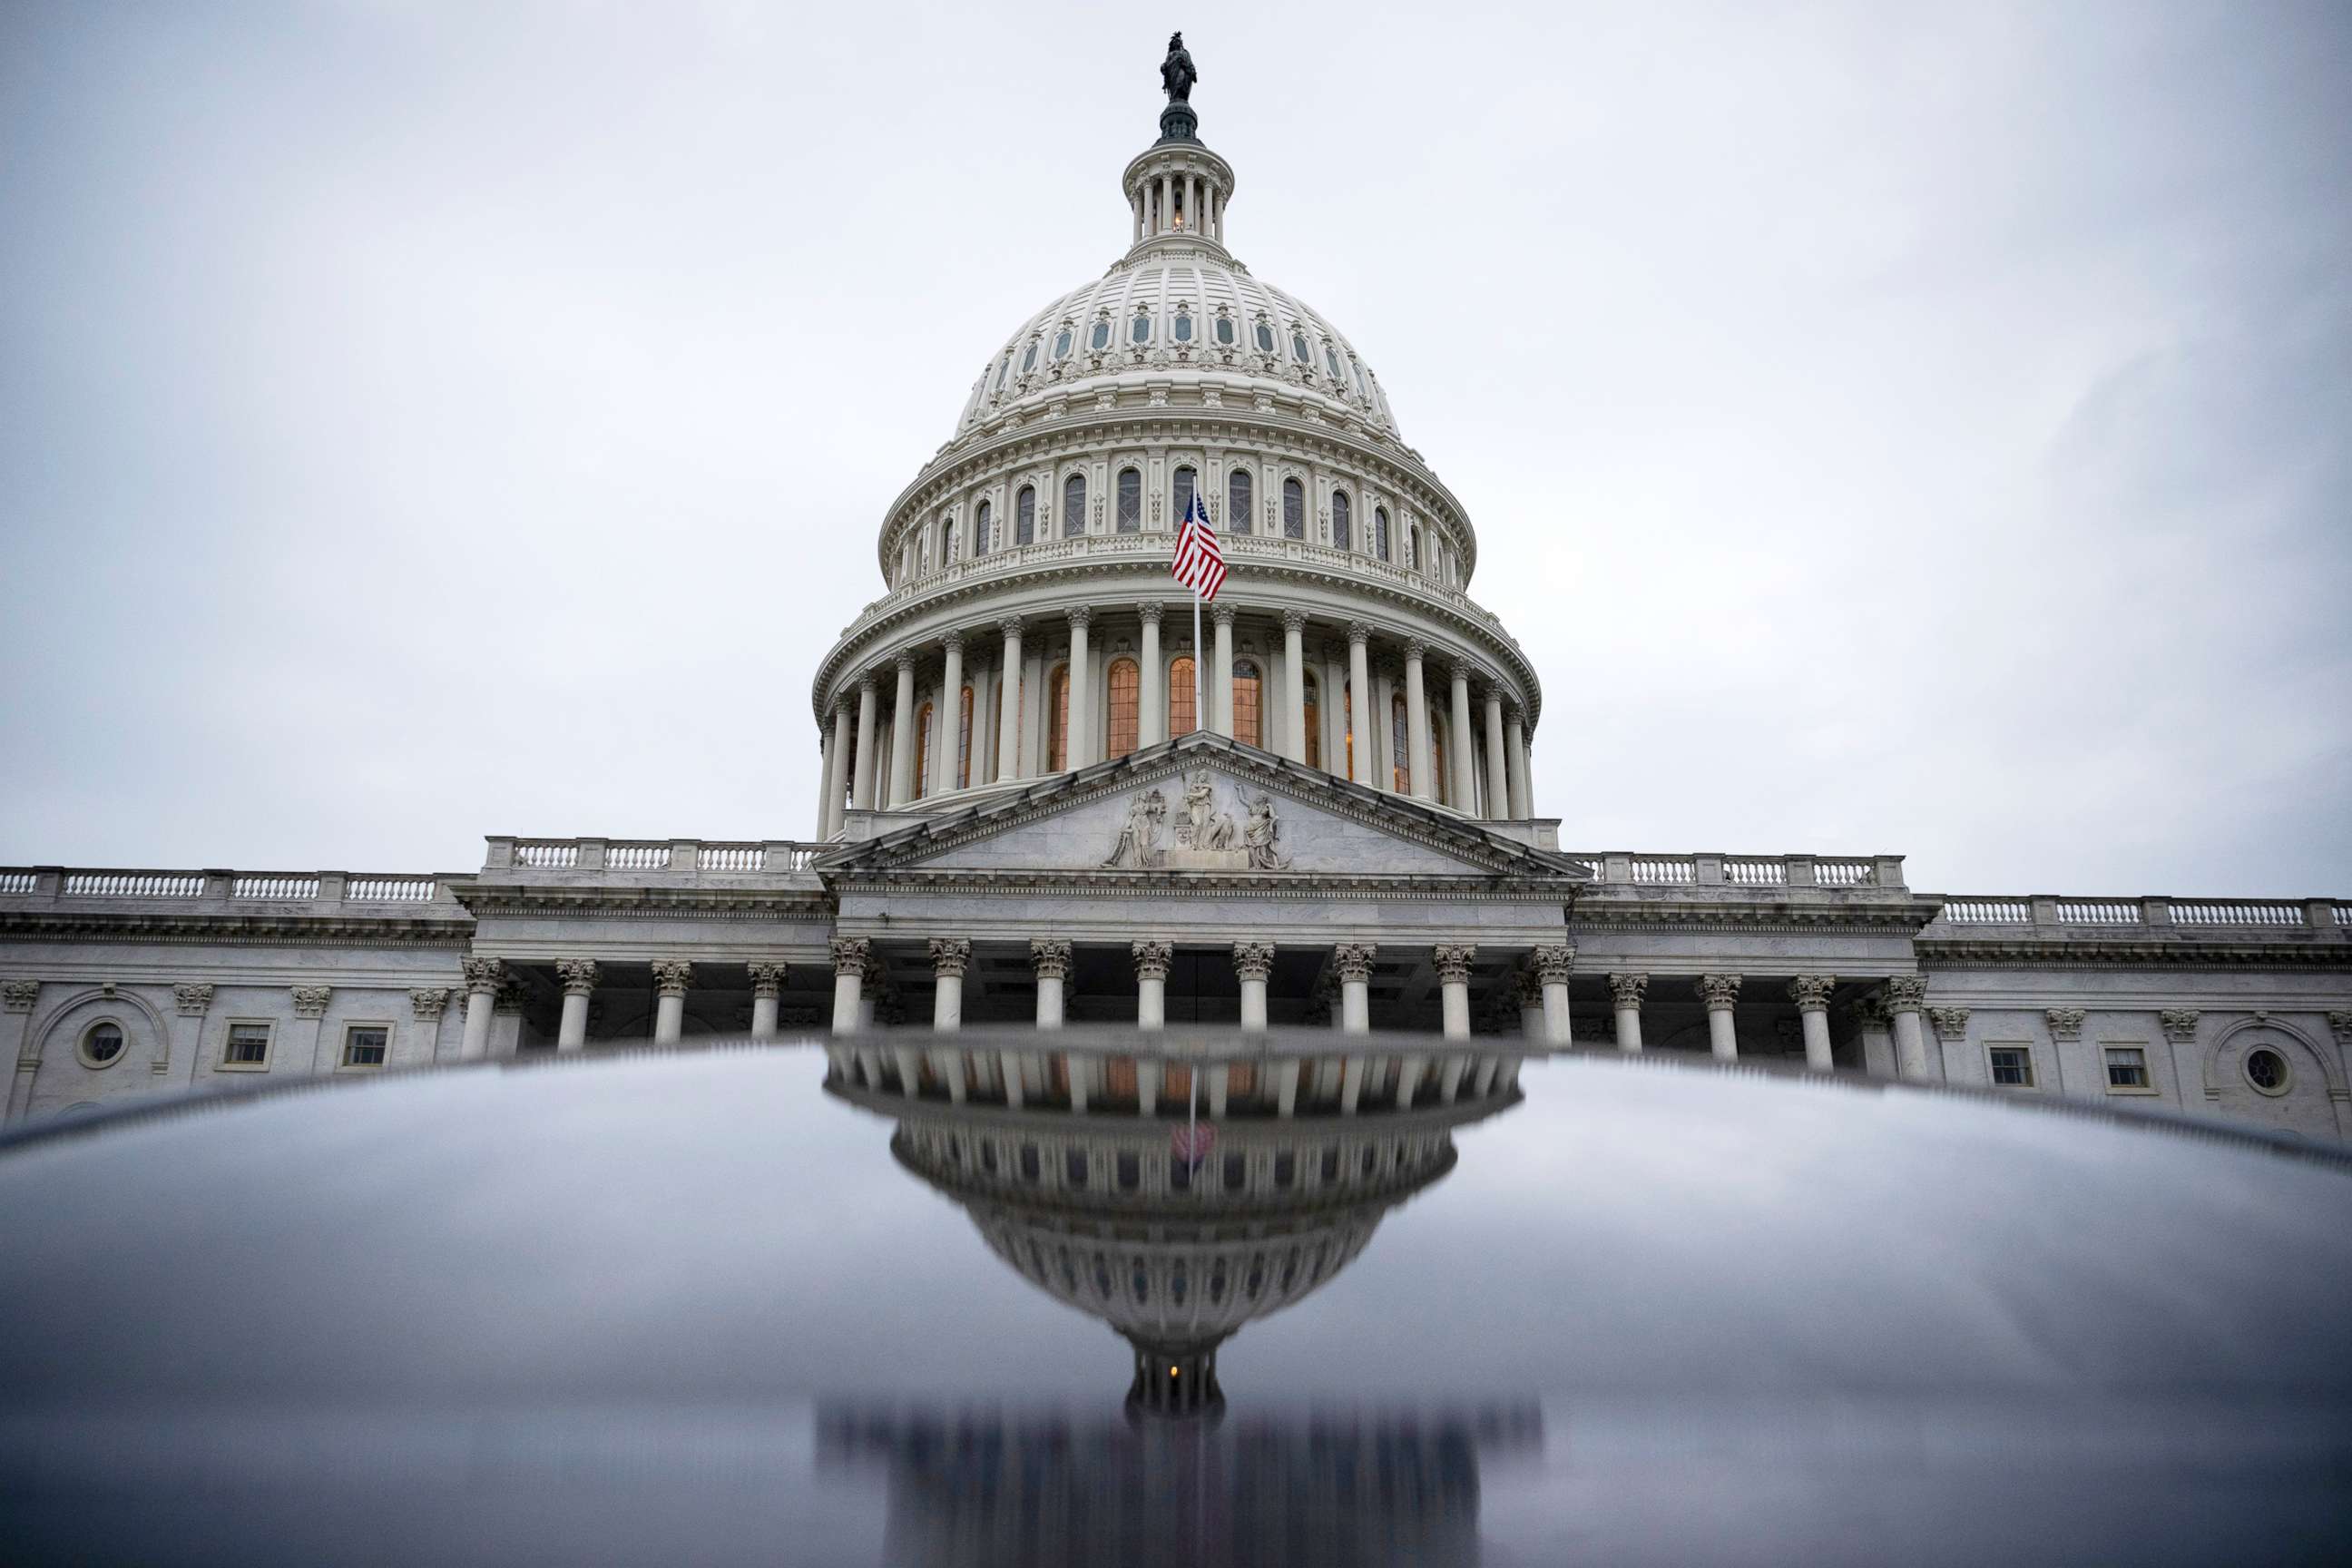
x: 1126, y: 693
x: 1400, y: 747
x: 1437, y: 790
x: 1347, y: 721
x: 1183, y: 714
x: 1314, y: 719
x: 1245, y: 702
x: 1057, y: 720
x: 964, y: 746
x: 922, y: 750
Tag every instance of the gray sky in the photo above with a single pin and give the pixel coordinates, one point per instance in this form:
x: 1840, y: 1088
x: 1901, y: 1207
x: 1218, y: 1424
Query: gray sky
x: 1908, y: 429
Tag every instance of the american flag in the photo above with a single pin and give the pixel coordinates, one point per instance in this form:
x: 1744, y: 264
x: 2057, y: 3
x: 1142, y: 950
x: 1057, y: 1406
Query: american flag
x: 1200, y: 564
x: 1193, y: 1141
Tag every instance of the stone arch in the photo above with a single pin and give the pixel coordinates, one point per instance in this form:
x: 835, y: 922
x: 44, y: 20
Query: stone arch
x: 2331, y: 1073
x: 45, y: 1033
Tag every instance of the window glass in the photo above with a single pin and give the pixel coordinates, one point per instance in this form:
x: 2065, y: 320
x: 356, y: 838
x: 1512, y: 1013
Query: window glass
x: 1400, y: 746
x: 1002, y: 370
x: 923, y: 717
x: 1245, y: 702
x: 952, y: 551
x: 1057, y: 719
x: 982, y: 523
x: 1237, y: 501
x: 1314, y: 721
x: 1437, y: 787
x: 1029, y: 358
x: 1184, y: 493
x: 1102, y: 334
x: 249, y: 1044
x: 1130, y: 500
x: 1025, y: 516
x: 1183, y: 327
x: 1294, y: 509
x: 2266, y: 1069
x: 1381, y: 531
x: 2012, y: 1064
x: 1348, y: 724
x: 1339, y: 519
x: 1139, y: 330
x: 1184, y: 717
x: 1226, y: 330
x: 1332, y: 358
x: 1298, y: 350
x: 1126, y: 685
x: 964, y: 743
x: 364, y: 1046
x: 1062, y: 343
x: 1265, y: 337
x: 102, y: 1044
x: 1073, y: 506
x: 2127, y: 1067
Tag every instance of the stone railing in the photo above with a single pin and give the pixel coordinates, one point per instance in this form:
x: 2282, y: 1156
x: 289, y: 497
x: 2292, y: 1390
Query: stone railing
x: 1774, y: 872
x: 768, y: 856
x: 2154, y: 913
x: 1243, y: 550
x: 321, y: 891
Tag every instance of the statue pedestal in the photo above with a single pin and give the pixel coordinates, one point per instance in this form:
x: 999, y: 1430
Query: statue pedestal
x: 1177, y: 123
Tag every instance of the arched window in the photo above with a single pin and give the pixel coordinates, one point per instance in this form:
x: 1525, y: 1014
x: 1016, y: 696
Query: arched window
x: 1294, y: 509
x: 1025, y: 516
x: 1057, y: 719
x: 1348, y: 723
x: 1381, y: 531
x: 982, y: 524
x: 1130, y: 500
x: 1339, y: 530
x: 949, y: 552
x: 1245, y: 702
x: 963, y: 742
x: 1400, y: 746
x: 1413, y: 547
x: 1237, y: 502
x: 1182, y: 493
x: 923, y: 752
x: 923, y: 554
x: 1126, y: 686
x: 1437, y: 784
x: 1073, y: 506
x: 1314, y: 721
x: 1183, y: 715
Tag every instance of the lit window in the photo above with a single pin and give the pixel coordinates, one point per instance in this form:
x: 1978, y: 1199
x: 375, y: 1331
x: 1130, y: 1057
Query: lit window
x: 1294, y: 509
x: 1025, y: 516
x: 1101, y: 338
x: 2012, y: 1067
x: 1341, y: 537
x: 981, y: 520
x: 102, y: 1044
x: 1061, y: 344
x: 364, y: 1044
x: 1237, y: 501
x: 1184, y: 493
x: 1057, y: 720
x: 1226, y: 330
x: 1314, y: 722
x: 2266, y: 1071
x: 1183, y: 713
x: 1381, y: 531
x: 1073, y: 506
x: 1400, y: 746
x: 1299, y: 348
x: 1139, y: 330
x: 2127, y: 1067
x: 1130, y: 500
x: 1265, y: 337
x: 1245, y: 702
x: 1126, y: 684
x: 247, y: 1046
x: 1348, y: 723
x: 1183, y: 327
x: 963, y: 745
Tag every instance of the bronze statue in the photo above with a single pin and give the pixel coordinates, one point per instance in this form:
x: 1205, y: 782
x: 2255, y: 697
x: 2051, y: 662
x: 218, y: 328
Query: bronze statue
x: 1176, y: 72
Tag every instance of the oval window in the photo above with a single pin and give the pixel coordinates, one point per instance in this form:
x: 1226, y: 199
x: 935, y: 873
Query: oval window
x: 1332, y: 358
x: 2265, y: 1069
x: 1002, y: 370
x: 102, y: 1044
x: 1299, y: 348
x: 1029, y: 359
x: 1265, y: 339
x: 1061, y: 344
x: 1183, y: 328
x: 1226, y: 330
x: 1102, y: 334
x: 1141, y: 331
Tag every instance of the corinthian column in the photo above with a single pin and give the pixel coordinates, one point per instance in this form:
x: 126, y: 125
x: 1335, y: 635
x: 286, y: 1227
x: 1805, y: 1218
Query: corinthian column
x: 671, y: 977
x: 1906, y: 995
x: 1008, y: 710
x: 1151, y: 704
x: 1416, y: 723
x: 482, y: 977
x: 1354, y: 962
x: 869, y: 743
x: 1076, y: 731
x: 1294, y: 685
x: 1254, y: 961
x: 902, y: 735
x: 1221, y: 691
x: 949, y: 955
x: 1359, y: 701
x: 1811, y: 994
x: 767, y: 991
x: 851, y: 957
x: 1720, y: 992
x: 837, y: 773
x: 1464, y: 764
x: 1052, y: 959
x: 1498, y: 785
x: 1625, y: 995
x: 1454, y: 962
x: 1515, y: 744
x: 579, y: 977
x: 1152, y: 960
x: 1552, y: 965
x: 952, y: 716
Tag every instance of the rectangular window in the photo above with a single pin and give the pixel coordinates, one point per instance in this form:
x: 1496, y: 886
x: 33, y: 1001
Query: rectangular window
x: 2127, y: 1069
x: 2012, y: 1067
x: 364, y: 1044
x: 248, y: 1047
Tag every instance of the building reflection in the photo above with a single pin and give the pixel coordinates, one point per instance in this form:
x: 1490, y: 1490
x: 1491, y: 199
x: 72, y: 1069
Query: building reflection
x: 968, y: 1490
x: 1178, y: 1195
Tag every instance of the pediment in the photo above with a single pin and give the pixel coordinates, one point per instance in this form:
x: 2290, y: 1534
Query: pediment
x: 1202, y: 805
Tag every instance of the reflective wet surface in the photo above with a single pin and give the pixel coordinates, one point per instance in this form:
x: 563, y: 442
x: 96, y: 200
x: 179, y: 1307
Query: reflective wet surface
x: 1252, y: 1302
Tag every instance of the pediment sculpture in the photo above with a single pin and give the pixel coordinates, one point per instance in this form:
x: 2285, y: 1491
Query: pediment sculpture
x: 1207, y: 838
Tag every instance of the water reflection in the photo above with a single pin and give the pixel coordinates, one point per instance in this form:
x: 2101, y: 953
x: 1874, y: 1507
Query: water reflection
x: 966, y: 1491
x: 1180, y: 1195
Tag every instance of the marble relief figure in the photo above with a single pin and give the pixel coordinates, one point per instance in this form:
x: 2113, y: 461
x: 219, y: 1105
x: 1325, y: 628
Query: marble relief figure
x: 1139, y: 837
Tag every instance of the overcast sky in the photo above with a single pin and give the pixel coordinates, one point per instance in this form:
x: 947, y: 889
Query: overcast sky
x: 1889, y: 429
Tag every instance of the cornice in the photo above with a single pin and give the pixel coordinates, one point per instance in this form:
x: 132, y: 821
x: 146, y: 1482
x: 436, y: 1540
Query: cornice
x: 1896, y: 915
x: 1948, y: 953
x: 236, y: 930
x: 642, y: 903
x: 1270, y: 885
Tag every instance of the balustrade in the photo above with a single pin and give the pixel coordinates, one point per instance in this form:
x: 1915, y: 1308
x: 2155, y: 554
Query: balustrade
x: 547, y: 855
x: 2212, y: 912
x: 1756, y: 873
x: 2099, y: 912
x: 635, y: 858
x: 391, y: 889
x: 135, y: 884
x: 274, y: 888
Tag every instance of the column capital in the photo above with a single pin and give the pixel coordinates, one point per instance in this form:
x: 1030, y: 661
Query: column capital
x: 953, y: 642
x: 1253, y: 960
x: 906, y: 661
x: 427, y: 1003
x: 672, y: 976
x: 1529, y: 988
x: 2341, y: 1022
x: 483, y: 975
x: 1151, y: 959
x: 1358, y: 633
x: 1009, y: 625
x: 1554, y: 963
x: 1810, y: 993
x: 1294, y: 620
x: 1906, y: 992
x: 310, y: 1001
x: 191, y: 1000
x: 852, y: 956
x: 870, y: 683
x: 845, y: 705
x: 1415, y: 647
x: 578, y: 975
x: 950, y: 956
x: 1222, y: 613
x: 1079, y: 615
x: 1462, y: 672
x: 2180, y: 1025
x: 1454, y: 960
x: 1051, y: 957
x: 1717, y: 991
x: 1951, y: 1023
x: 768, y: 976
x: 17, y: 995
x: 1150, y: 611
x: 1354, y: 961
x: 1626, y: 990
x: 509, y: 998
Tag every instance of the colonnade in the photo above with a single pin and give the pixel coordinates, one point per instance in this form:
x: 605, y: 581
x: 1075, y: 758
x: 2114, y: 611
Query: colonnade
x: 1898, y: 1005
x: 966, y: 710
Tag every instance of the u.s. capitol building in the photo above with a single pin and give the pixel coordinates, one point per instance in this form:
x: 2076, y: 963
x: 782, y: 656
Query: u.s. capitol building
x: 1026, y: 815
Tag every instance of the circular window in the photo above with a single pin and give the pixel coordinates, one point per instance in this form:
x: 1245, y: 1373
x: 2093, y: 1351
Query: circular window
x: 2266, y: 1071
x: 101, y: 1044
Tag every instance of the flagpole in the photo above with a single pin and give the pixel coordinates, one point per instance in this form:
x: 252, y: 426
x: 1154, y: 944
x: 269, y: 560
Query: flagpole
x: 1200, y: 668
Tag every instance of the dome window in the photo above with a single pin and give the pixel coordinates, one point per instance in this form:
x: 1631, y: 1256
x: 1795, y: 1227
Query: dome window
x: 1339, y: 519
x: 1265, y: 337
x: 1130, y: 500
x: 1101, y: 339
x: 1381, y: 531
x: 1002, y: 370
x: 1139, y: 330
x: 980, y: 529
x: 1225, y: 331
x: 1061, y: 344
x: 1332, y: 358
x: 1029, y: 358
x: 1183, y: 327
x: 1182, y: 491
x: 1294, y: 509
x: 1297, y: 351
x: 1025, y: 516
x: 1237, y: 501
x: 1073, y: 506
